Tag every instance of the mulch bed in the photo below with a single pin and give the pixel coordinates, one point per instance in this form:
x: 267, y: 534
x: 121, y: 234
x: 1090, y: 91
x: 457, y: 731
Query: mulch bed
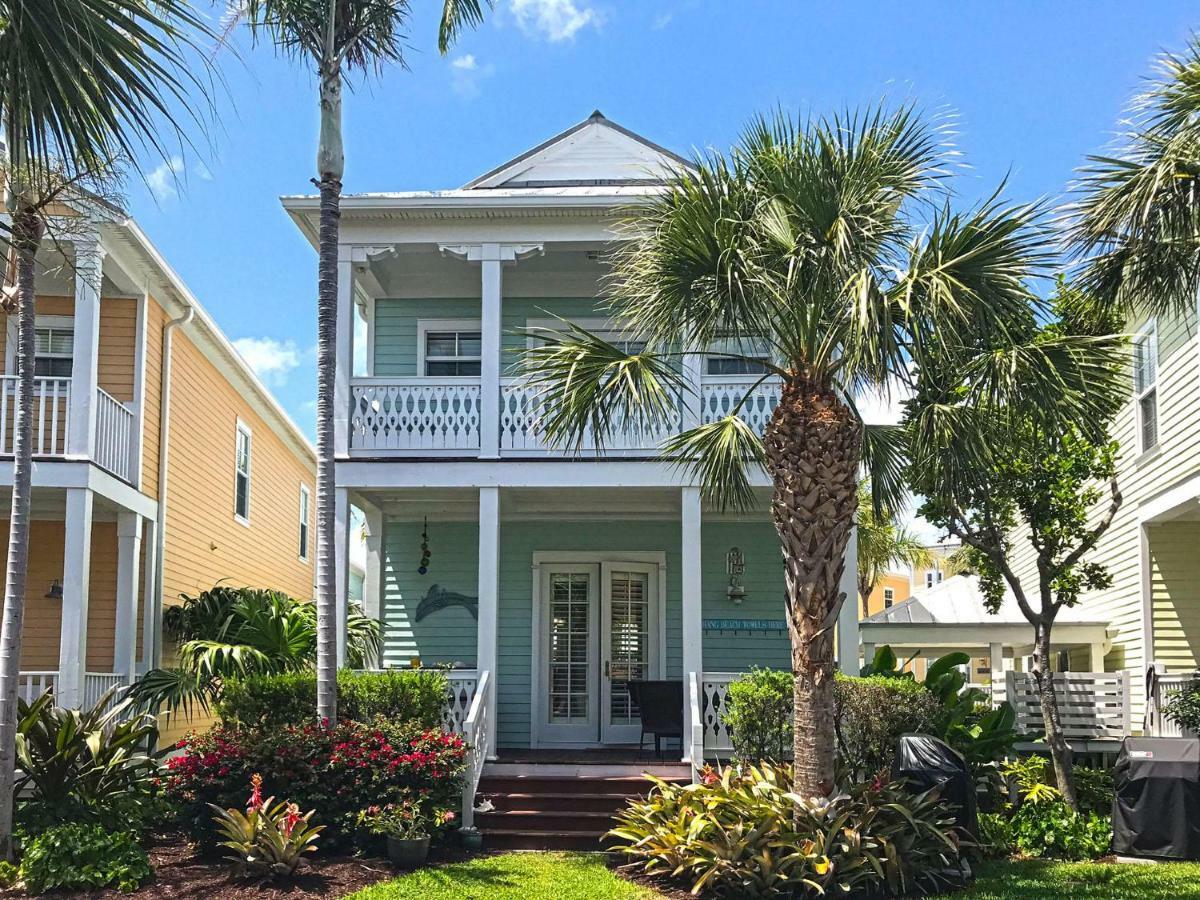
x: 180, y: 874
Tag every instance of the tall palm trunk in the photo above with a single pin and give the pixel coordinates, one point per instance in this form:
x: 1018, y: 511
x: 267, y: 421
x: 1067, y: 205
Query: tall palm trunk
x: 26, y: 235
x: 1043, y: 678
x: 330, y: 166
x: 812, y: 446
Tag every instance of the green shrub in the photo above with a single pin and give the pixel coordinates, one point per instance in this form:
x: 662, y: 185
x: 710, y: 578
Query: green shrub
x: 737, y: 835
x: 872, y: 712
x: 1184, y: 707
x: 85, y: 765
x: 1094, y: 789
x: 759, y: 715
x: 1044, y: 825
x: 334, y: 769
x: 82, y: 857
x: 995, y: 836
x: 9, y: 874
x: 402, y: 696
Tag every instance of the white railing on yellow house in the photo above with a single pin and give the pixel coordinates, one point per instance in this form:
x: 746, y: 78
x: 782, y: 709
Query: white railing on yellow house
x: 51, y: 412
x: 477, y: 732
x: 114, y: 435
x: 95, y: 684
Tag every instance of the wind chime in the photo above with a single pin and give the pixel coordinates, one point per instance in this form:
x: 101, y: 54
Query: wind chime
x: 423, y: 568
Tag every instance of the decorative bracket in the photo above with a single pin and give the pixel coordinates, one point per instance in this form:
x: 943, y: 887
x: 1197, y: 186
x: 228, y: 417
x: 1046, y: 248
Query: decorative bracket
x: 504, y: 253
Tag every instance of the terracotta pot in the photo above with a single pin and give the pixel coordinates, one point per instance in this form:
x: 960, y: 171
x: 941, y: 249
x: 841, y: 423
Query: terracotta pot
x: 408, y: 853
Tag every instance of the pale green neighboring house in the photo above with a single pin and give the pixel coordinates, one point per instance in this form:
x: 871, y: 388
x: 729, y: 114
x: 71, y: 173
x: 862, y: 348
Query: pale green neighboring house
x: 561, y: 577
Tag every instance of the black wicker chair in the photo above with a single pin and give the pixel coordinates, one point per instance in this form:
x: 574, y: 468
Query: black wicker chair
x: 660, y: 704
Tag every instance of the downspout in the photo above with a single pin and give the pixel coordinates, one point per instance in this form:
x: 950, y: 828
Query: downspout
x: 164, y: 435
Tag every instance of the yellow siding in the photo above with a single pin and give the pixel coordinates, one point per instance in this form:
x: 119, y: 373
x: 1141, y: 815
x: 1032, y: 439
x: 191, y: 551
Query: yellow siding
x: 205, y: 543
x: 118, y: 347
x: 1174, y: 556
x: 156, y: 318
x: 898, y: 583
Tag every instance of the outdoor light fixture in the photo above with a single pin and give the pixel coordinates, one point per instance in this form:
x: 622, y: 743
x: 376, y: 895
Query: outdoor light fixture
x: 55, y: 592
x: 735, y: 566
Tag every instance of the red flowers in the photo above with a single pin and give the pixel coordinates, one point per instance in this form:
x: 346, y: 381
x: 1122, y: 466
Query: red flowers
x: 256, y: 801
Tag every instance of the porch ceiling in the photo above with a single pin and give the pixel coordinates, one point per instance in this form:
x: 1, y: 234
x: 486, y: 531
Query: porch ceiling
x: 51, y: 504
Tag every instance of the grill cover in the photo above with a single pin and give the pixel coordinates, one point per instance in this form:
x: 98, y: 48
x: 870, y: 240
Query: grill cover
x: 927, y: 762
x: 1156, y: 809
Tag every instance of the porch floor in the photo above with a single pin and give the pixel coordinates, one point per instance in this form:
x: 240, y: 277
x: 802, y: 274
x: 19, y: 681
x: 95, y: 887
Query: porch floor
x: 598, y: 756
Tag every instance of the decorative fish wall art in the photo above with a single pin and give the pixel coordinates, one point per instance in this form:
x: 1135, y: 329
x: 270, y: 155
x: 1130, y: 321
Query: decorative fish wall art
x: 437, y: 597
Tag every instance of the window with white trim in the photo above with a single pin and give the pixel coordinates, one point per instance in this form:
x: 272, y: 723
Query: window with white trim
x: 1145, y: 385
x: 304, y: 518
x: 889, y: 597
x: 451, y: 352
x: 932, y: 577
x: 241, y: 483
x: 731, y: 357
x: 53, y: 350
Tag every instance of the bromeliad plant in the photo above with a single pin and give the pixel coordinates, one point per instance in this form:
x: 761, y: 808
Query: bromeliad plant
x: 745, y: 833
x: 409, y: 819
x: 269, y: 839
x: 822, y: 254
x: 226, y: 633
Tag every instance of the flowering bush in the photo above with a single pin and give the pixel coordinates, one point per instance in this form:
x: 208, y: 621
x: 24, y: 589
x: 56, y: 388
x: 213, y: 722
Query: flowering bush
x: 409, y: 819
x: 269, y: 839
x: 328, y: 767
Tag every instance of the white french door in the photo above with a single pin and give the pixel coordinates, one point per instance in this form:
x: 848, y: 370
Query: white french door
x: 599, y: 629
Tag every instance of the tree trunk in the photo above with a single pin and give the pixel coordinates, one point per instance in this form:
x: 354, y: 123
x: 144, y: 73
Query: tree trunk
x: 813, y: 449
x: 26, y: 235
x: 1060, y: 753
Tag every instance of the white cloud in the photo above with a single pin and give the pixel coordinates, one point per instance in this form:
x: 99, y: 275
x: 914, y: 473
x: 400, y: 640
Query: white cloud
x: 662, y: 20
x: 271, y: 360
x: 554, y: 20
x: 163, y: 181
x: 883, y: 408
x: 203, y: 172
x: 467, y: 73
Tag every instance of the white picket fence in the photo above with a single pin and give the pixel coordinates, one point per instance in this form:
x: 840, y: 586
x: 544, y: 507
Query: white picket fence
x: 1165, y: 686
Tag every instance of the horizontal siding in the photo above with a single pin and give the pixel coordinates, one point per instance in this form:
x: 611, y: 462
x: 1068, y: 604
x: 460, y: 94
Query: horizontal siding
x: 156, y: 318
x: 118, y: 347
x: 1174, y: 555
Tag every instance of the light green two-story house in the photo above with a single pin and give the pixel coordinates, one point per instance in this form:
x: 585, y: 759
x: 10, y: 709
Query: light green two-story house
x: 560, y: 576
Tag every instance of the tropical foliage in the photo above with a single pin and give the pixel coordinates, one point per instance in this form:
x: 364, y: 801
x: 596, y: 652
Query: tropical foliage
x: 883, y: 543
x: 90, y: 766
x: 746, y: 833
x: 873, y: 712
x: 758, y: 714
x: 76, y: 857
x: 825, y: 254
x: 1183, y: 708
x: 338, y: 40
x: 269, y: 839
x: 227, y: 633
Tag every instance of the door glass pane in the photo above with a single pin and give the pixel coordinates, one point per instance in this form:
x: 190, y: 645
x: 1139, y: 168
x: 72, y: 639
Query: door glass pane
x: 570, y: 614
x: 629, y: 641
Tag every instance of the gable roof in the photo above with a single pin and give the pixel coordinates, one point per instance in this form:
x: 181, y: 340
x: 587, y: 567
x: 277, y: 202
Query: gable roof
x: 958, y: 601
x: 594, y: 152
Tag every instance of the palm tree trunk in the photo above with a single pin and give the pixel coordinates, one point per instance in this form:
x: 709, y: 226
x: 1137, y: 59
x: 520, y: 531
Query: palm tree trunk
x: 330, y: 165
x: 26, y: 235
x: 1060, y: 753
x: 813, y: 448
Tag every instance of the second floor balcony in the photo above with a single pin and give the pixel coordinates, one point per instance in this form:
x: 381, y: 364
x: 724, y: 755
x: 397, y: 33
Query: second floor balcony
x: 112, y: 447
x: 420, y: 416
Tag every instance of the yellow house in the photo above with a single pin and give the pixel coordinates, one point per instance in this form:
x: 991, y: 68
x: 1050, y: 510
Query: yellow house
x: 893, y: 588
x: 162, y: 465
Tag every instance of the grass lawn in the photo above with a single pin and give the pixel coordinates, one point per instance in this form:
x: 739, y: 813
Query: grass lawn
x: 1007, y: 880
x: 512, y: 876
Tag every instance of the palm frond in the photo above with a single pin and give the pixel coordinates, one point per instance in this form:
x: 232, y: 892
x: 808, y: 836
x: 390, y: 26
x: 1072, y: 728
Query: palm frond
x: 457, y: 16
x: 883, y: 451
x: 175, y: 690
x: 366, y: 33
x: 722, y: 456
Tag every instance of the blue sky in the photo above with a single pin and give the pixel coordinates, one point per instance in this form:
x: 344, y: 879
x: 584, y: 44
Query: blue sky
x: 1034, y: 86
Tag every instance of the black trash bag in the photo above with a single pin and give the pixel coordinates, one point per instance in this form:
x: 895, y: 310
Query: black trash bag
x: 926, y: 762
x: 1156, y: 805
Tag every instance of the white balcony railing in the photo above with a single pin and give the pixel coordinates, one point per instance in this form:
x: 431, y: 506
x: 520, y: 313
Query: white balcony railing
x: 477, y: 732
x: 1163, y: 688
x: 95, y: 684
x: 413, y: 414
x: 114, y: 435
x: 51, y: 406
x: 719, y: 396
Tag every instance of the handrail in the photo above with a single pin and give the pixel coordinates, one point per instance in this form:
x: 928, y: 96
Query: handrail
x: 114, y: 435
x: 477, y: 731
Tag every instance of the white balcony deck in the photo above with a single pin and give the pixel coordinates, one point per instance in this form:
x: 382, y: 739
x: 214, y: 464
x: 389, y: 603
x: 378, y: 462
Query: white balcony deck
x: 427, y: 417
x: 115, y: 424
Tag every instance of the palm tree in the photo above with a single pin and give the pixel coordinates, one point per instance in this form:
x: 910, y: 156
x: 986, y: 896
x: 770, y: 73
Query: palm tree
x: 882, y: 543
x: 338, y: 38
x: 828, y: 246
x: 83, y: 84
x: 1135, y: 224
x: 228, y: 632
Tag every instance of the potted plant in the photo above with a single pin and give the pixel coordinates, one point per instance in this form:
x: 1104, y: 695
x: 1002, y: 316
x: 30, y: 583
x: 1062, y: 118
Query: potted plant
x: 408, y: 827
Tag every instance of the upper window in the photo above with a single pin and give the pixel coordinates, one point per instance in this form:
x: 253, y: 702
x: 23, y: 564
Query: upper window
x: 932, y: 577
x: 730, y: 357
x: 889, y: 597
x: 53, y: 347
x: 304, y: 495
x: 241, y: 485
x: 452, y: 353
x: 1145, y: 385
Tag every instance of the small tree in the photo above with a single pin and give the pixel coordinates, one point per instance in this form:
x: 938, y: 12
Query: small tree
x: 882, y: 543
x: 1037, y: 484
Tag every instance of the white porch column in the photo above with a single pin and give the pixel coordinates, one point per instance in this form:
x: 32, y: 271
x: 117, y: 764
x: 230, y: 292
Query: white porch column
x: 129, y: 554
x: 996, y: 662
x: 343, y: 350
x: 81, y: 433
x: 1096, y: 657
x: 489, y: 356
x: 847, y: 623
x: 372, y: 579
x: 151, y: 603
x: 691, y: 515
x: 77, y: 560
x: 341, y: 567
x: 486, y: 655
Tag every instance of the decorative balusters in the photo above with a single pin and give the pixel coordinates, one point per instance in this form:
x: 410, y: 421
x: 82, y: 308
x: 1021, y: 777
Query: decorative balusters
x: 114, y: 435
x: 414, y: 414
x: 720, y: 396
x: 459, y: 694
x: 51, y: 404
